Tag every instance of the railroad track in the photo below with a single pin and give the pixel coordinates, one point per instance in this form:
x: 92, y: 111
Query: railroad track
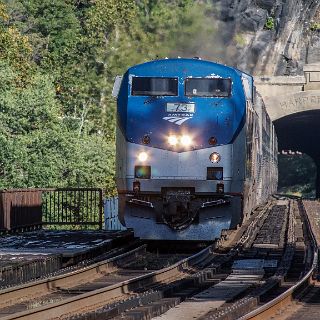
x: 292, y: 278
x: 52, y: 253
x: 101, y: 284
x: 270, y: 238
x: 237, y: 281
x: 19, y: 300
x: 302, y: 299
x: 202, y: 276
x: 211, y: 284
x: 95, y: 286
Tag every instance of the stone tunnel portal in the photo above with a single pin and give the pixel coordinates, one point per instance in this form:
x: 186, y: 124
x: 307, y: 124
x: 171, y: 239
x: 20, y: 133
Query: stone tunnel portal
x: 301, y: 132
x: 293, y: 104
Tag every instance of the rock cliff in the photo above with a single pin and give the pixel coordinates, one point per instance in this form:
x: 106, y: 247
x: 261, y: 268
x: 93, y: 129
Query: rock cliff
x: 270, y: 37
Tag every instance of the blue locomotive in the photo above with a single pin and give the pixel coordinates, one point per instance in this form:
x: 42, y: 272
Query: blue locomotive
x: 196, y: 150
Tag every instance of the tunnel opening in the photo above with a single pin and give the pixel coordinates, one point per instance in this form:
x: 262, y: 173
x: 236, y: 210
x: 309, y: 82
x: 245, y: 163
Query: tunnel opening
x: 300, y: 133
x: 296, y: 174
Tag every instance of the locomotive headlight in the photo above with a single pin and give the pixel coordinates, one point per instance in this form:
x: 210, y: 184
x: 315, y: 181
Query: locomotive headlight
x: 215, y: 157
x: 142, y: 156
x: 186, y: 140
x: 172, y: 140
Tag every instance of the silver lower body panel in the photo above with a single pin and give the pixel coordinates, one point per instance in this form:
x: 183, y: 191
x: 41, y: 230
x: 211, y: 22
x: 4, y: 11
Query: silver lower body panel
x: 208, y: 225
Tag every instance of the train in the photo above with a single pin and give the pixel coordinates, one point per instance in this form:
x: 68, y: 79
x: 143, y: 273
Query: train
x: 196, y: 151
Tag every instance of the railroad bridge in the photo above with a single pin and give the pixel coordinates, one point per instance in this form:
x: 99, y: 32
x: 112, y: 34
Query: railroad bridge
x: 293, y: 103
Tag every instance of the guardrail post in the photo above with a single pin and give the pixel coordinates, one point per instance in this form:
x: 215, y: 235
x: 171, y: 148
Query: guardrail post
x: 100, y: 209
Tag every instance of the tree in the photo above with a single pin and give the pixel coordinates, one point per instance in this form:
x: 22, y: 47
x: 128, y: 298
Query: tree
x: 58, y: 60
x: 30, y: 120
x: 14, y: 48
x: 297, y: 175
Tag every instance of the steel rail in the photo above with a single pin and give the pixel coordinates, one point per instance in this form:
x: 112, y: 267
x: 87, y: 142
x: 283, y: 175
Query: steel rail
x: 286, y: 297
x: 45, y: 286
x: 100, y: 297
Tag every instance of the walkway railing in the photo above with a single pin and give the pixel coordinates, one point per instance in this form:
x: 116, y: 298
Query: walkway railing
x: 72, y: 208
x: 81, y: 208
x: 69, y: 208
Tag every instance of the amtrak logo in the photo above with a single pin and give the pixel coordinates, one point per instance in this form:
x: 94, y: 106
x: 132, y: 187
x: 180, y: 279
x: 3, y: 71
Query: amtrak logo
x: 178, y: 119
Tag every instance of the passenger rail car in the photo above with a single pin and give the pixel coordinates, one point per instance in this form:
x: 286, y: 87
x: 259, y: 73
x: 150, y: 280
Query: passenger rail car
x: 196, y: 150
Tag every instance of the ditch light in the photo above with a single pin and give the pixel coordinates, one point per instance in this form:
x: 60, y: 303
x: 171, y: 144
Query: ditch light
x: 142, y: 172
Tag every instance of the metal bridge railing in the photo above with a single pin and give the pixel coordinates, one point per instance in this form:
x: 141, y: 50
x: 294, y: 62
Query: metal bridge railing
x: 67, y: 208
x: 80, y: 208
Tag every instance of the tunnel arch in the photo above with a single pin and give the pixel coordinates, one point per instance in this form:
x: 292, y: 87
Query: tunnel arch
x: 293, y: 104
x: 284, y: 105
x: 300, y: 131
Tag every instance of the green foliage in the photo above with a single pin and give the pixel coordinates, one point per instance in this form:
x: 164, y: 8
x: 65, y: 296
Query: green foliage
x: 315, y: 26
x: 29, y: 120
x: 26, y: 109
x: 240, y: 40
x: 269, y: 25
x: 297, y: 175
x: 38, y: 149
x: 162, y: 29
x: 58, y: 60
x: 14, y: 48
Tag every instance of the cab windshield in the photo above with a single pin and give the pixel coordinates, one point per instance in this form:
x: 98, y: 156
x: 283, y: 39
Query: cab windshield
x: 207, y: 87
x: 151, y: 86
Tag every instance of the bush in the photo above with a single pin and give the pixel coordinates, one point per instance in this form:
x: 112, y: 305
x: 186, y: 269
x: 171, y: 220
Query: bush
x: 315, y: 26
x: 269, y: 25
